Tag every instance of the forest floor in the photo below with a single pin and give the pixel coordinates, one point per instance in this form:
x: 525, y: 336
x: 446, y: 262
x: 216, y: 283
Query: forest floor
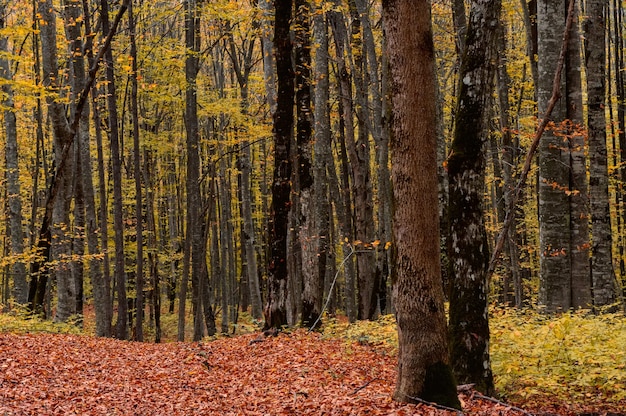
x: 294, y: 373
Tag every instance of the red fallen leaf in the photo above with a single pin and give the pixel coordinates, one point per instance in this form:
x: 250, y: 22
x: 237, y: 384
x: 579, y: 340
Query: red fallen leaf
x: 298, y: 373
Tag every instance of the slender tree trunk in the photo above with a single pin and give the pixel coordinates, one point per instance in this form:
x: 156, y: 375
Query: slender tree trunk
x: 121, y: 327
x: 603, y: 278
x: 423, y: 365
x: 152, y: 246
x: 242, y: 71
x: 137, y: 172
x: 313, y: 282
x: 509, y: 160
x: 60, y: 248
x: 100, y: 285
x: 347, y: 134
x: 193, y: 161
x: 322, y: 146
x: 14, y: 203
x: 275, y: 309
x: 579, y: 184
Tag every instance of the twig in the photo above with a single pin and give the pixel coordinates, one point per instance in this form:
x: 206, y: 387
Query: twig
x: 435, y: 405
x: 494, y: 400
x: 556, y: 94
x: 358, y: 389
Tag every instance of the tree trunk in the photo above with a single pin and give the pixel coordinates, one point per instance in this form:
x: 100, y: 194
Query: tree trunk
x: 468, y: 247
x: 603, y: 278
x: 423, y: 366
x: 139, y: 306
x: 322, y: 147
x: 313, y: 281
x: 193, y: 161
x: 121, y: 327
x: 100, y: 285
x: 554, y: 168
x: 14, y: 203
x: 275, y: 308
x: 60, y: 248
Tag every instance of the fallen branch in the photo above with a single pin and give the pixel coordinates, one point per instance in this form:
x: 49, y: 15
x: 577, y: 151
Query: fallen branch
x: 435, y: 405
x: 494, y: 400
x: 363, y: 386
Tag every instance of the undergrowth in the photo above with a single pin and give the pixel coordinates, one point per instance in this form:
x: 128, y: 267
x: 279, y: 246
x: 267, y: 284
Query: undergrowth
x: 575, y: 357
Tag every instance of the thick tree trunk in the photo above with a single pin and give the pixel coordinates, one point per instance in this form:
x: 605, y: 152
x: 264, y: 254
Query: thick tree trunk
x: 468, y: 247
x: 423, y: 365
x: 554, y: 168
x: 603, y: 278
x: 275, y: 309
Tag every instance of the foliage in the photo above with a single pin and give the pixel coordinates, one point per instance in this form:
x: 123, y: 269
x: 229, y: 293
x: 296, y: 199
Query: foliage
x: 22, y: 323
x: 575, y: 357
x: 573, y: 362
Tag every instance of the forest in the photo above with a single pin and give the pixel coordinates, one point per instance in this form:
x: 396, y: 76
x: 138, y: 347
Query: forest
x: 185, y: 171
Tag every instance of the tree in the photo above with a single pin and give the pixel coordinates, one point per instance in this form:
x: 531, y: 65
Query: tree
x: 603, y: 278
x: 467, y: 239
x: 275, y: 308
x: 14, y: 204
x: 194, y: 201
x: 423, y: 365
x: 564, y: 261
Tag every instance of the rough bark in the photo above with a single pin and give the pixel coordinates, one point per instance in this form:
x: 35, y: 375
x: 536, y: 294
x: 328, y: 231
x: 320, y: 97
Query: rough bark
x: 322, y: 145
x: 275, y: 308
x: 423, y: 366
x: 468, y: 247
x: 193, y: 164
x: 578, y: 184
x: 313, y: 281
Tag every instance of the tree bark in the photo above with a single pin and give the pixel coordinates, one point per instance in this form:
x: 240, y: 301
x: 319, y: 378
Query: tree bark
x: 275, y: 308
x: 137, y: 171
x: 195, y: 226
x: 561, y: 287
x: 121, y: 327
x: 423, y: 366
x: 603, y: 277
x: 468, y: 247
x: 14, y: 203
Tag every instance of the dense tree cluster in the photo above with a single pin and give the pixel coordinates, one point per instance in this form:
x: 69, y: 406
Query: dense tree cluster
x: 293, y: 158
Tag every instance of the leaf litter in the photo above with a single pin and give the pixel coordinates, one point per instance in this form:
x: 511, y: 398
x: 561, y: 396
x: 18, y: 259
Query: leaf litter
x: 295, y: 373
